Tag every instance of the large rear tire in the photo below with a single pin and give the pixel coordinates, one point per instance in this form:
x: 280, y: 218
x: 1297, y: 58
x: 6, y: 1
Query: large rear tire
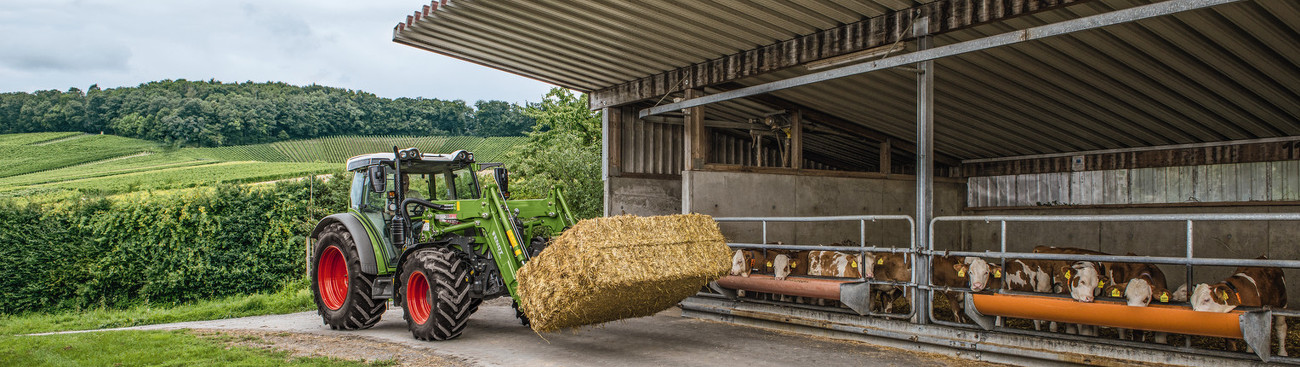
x: 435, y: 288
x: 341, y: 291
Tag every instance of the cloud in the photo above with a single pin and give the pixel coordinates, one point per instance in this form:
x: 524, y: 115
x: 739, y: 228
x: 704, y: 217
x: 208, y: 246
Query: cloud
x: 56, y: 44
x: 41, y: 54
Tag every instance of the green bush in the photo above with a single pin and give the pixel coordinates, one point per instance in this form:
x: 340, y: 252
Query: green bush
x: 159, y: 249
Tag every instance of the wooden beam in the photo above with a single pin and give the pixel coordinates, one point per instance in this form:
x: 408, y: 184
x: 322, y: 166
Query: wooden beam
x: 886, y: 157
x: 697, y: 141
x: 615, y: 140
x: 796, y: 140
x: 853, y: 128
x: 883, y: 30
x: 1220, y: 154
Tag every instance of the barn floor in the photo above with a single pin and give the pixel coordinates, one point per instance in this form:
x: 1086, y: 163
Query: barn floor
x: 495, y: 338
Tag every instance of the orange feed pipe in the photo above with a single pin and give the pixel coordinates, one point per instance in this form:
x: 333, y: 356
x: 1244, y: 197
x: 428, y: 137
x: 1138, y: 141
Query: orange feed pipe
x: 792, y: 286
x: 1171, y: 319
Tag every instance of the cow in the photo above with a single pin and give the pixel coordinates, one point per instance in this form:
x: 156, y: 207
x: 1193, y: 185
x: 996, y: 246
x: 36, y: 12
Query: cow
x: 889, y: 267
x: 959, y: 272
x: 1139, y: 284
x: 1037, y: 276
x: 1084, y: 279
x: 1249, y: 287
x: 786, y: 263
x: 834, y: 264
x: 744, y: 262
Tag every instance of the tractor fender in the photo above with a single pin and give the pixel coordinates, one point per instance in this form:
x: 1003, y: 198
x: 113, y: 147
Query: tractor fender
x: 365, y: 249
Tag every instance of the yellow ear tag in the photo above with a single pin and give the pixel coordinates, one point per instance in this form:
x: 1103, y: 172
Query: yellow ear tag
x: 853, y: 264
x: 1114, y: 292
x: 794, y: 265
x: 1164, y: 297
x: 1101, y: 283
x: 1067, y: 273
x: 1223, y: 296
x: 769, y: 264
x: 997, y: 273
x: 880, y: 261
x: 961, y: 273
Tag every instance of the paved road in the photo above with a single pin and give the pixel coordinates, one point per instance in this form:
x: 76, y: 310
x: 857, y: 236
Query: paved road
x: 495, y: 338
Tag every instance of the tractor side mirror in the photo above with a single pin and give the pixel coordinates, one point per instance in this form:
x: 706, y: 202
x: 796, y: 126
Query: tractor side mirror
x: 377, y: 179
x: 503, y: 181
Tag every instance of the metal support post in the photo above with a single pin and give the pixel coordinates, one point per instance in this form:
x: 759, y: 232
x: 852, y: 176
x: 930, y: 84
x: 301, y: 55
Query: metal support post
x: 924, y: 162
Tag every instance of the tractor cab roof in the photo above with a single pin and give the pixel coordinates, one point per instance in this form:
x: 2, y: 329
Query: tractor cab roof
x: 428, y: 163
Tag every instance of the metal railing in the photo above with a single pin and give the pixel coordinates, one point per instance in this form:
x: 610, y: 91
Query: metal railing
x: 922, y: 253
x: 912, y: 250
x: 1189, y: 261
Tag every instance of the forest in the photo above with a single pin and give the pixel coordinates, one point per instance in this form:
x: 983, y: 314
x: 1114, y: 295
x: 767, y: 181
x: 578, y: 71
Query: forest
x: 212, y: 113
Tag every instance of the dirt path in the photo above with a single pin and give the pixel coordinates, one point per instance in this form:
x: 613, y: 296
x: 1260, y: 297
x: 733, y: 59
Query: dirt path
x: 347, y: 346
x: 495, y: 338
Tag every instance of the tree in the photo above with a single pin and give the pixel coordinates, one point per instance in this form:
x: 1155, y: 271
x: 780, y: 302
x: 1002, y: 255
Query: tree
x: 563, y: 150
x: 211, y: 113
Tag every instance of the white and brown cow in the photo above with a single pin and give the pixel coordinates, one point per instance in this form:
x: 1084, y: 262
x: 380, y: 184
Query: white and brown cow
x: 786, y: 263
x: 834, y: 264
x: 1250, y: 287
x: 745, y: 262
x: 1037, y: 276
x: 959, y: 272
x: 1139, y: 284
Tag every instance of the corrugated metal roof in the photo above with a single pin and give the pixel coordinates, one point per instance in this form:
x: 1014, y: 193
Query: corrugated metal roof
x: 1225, y: 73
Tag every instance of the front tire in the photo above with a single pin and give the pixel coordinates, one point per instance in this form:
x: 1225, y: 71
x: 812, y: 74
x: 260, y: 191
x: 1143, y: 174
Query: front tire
x: 341, y: 291
x: 435, y: 286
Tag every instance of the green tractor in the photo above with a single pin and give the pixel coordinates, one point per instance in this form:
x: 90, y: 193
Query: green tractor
x: 437, y: 256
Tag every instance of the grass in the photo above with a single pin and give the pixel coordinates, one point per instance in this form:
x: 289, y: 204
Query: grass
x: 147, y: 348
x: 289, y: 299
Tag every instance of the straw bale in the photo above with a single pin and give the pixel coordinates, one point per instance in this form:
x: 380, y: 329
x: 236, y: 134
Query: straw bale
x: 613, y: 268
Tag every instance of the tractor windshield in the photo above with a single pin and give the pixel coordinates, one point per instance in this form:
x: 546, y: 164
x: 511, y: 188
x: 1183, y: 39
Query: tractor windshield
x: 458, y: 185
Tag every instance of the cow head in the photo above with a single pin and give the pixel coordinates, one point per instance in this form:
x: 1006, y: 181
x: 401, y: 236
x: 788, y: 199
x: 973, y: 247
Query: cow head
x: 1213, y: 298
x: 738, y: 263
x: 1082, y: 280
x: 868, y: 262
x: 1179, y: 295
x: 1139, y: 292
x: 977, y: 272
x: 781, y: 266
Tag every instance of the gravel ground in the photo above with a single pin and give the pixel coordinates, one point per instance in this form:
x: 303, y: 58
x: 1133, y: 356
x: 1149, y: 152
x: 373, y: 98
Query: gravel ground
x: 495, y: 338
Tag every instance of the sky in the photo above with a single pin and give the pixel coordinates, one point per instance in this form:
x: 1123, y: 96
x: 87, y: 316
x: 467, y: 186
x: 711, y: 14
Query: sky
x: 58, y: 44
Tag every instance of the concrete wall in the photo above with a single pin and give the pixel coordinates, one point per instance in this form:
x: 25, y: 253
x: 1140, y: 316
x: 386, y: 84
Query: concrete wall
x: 735, y: 194
x: 1242, y: 239
x: 643, y: 196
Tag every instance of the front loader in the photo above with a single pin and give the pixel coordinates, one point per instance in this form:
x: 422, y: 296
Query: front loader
x: 437, y: 257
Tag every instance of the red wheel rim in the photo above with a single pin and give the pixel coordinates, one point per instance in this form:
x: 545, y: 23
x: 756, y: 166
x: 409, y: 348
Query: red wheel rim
x: 332, y: 277
x: 417, y: 297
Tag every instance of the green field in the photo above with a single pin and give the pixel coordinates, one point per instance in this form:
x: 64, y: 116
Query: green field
x: 106, y: 164
x: 338, y: 149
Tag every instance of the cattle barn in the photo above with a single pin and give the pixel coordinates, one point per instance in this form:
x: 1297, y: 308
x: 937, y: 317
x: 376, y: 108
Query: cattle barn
x: 1157, y: 132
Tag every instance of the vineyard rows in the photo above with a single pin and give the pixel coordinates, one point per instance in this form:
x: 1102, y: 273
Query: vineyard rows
x: 40, y: 162
x: 338, y: 149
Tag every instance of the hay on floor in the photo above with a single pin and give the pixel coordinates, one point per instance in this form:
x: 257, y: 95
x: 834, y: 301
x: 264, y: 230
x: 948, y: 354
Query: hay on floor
x: 607, y: 269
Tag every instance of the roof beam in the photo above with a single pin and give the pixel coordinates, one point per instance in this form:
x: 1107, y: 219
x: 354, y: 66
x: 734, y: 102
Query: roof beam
x: 1019, y: 36
x: 846, y: 126
x: 866, y: 34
